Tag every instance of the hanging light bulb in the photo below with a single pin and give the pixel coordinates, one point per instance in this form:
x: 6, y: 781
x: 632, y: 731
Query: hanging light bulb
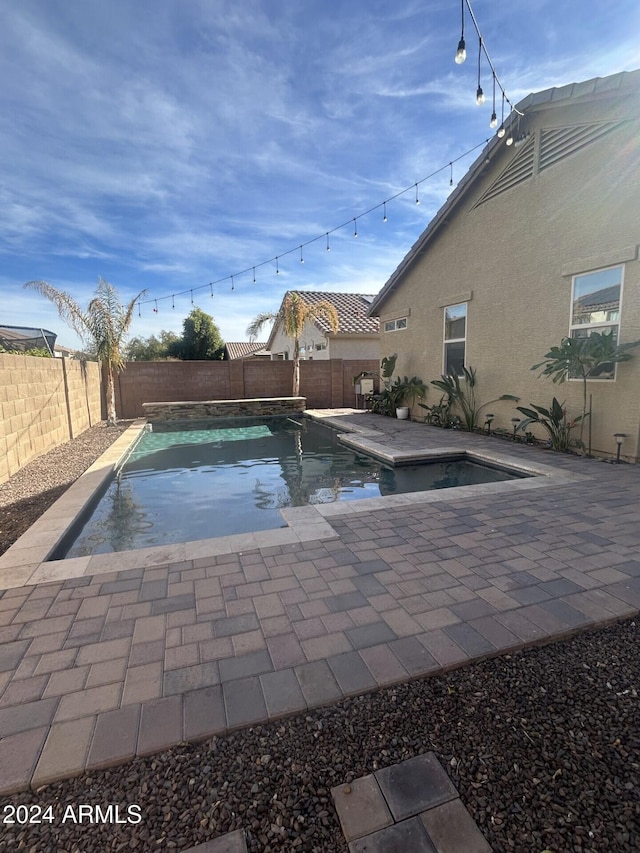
x: 501, y: 131
x: 277, y: 267
x: 461, y: 52
x: 510, y: 138
x: 451, y: 174
x: 233, y: 287
x: 254, y: 275
x: 211, y: 286
x: 384, y: 216
x: 355, y: 227
x: 417, y: 199
x: 301, y: 258
x: 328, y: 246
x: 479, y: 92
x: 173, y: 301
x: 494, y: 118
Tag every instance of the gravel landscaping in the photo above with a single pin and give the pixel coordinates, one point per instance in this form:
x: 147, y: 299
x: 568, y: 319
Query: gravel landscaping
x: 543, y: 745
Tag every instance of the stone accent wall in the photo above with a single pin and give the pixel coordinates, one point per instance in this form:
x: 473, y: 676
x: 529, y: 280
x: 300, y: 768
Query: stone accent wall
x: 203, y: 409
x: 43, y: 403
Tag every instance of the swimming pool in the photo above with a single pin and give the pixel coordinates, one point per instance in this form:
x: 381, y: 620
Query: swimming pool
x: 199, y: 481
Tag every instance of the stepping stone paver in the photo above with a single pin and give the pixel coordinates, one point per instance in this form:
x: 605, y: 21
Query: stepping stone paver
x: 415, y: 785
x: 115, y: 737
x: 452, y: 829
x: 361, y: 807
x: 410, y: 835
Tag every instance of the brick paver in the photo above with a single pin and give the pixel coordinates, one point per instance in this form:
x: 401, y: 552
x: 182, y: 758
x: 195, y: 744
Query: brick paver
x: 197, y: 647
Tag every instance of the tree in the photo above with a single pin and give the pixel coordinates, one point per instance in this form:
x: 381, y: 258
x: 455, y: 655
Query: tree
x: 294, y: 314
x: 584, y: 359
x: 152, y: 348
x: 201, y: 339
x: 103, y: 325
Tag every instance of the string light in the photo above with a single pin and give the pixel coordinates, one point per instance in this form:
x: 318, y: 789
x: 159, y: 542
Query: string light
x: 301, y: 258
x: 479, y: 92
x: 494, y: 118
x: 501, y: 131
x: 461, y: 52
x: 155, y: 310
x: 417, y: 199
x: 139, y: 314
x: 300, y: 247
x: 233, y: 287
x: 480, y: 97
x: 451, y: 174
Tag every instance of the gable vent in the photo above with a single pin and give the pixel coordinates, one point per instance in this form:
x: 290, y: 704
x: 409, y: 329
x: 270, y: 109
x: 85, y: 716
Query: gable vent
x: 519, y: 169
x: 561, y: 142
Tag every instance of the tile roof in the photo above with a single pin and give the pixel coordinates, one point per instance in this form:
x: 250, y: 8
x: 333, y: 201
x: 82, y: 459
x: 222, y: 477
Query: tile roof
x: 352, y: 311
x: 242, y: 349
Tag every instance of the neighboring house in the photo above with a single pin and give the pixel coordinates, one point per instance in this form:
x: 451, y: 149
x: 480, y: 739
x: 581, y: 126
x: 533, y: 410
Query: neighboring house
x: 357, y: 336
x: 60, y: 351
x: 538, y: 242
x: 245, y: 349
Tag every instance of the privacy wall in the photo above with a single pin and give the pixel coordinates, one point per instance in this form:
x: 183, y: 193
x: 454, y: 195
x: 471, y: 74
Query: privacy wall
x: 43, y: 403
x: 325, y: 384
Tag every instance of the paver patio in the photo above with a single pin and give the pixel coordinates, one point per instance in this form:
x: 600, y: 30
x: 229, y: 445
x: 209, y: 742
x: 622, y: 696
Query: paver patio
x: 98, y: 668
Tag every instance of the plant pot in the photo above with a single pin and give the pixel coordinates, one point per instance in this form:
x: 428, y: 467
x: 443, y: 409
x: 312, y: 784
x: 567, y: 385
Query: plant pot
x: 402, y: 413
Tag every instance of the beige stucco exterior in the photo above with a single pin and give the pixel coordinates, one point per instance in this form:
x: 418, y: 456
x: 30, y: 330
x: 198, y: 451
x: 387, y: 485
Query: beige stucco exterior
x: 512, y: 258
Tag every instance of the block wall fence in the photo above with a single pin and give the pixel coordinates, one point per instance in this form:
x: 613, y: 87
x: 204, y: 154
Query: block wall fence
x: 325, y: 384
x: 44, y: 402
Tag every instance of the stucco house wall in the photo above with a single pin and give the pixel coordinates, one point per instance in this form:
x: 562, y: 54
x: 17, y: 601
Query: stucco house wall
x: 512, y: 258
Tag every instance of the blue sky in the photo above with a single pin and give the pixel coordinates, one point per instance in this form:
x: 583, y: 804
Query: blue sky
x: 167, y: 144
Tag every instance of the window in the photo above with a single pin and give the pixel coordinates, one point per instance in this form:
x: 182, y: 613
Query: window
x: 595, y: 307
x: 395, y: 325
x: 455, y: 337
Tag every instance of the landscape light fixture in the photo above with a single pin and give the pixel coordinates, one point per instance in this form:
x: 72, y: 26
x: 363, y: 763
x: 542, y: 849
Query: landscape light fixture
x: 515, y: 422
x: 619, y: 437
x: 488, y: 420
x: 461, y: 52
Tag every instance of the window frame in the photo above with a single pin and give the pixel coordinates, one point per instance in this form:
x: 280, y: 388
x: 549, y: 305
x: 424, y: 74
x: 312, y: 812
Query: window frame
x: 604, y: 324
x: 446, y: 341
x: 395, y: 325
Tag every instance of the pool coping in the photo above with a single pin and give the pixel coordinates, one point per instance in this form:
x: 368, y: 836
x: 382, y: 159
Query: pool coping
x: 26, y: 562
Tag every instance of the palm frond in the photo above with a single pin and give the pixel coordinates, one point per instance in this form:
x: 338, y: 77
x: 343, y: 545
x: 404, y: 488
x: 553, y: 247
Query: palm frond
x: 255, y: 326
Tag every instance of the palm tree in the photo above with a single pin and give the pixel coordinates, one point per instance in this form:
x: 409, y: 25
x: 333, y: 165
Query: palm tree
x: 103, y: 325
x: 295, y: 313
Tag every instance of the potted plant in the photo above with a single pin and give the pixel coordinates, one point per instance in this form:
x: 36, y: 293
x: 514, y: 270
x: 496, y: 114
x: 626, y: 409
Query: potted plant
x: 405, y: 392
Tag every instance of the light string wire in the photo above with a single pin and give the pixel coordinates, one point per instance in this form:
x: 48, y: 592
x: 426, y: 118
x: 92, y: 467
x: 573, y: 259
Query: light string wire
x: 325, y: 235
x: 483, y: 49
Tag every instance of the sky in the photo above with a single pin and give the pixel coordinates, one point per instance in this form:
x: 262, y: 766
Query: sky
x: 168, y: 145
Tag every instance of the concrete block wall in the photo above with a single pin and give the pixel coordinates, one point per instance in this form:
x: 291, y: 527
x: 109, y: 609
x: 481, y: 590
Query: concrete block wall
x: 43, y: 403
x: 324, y: 384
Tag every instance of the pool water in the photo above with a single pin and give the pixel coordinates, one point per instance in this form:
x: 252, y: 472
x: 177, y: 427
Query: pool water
x: 180, y: 484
